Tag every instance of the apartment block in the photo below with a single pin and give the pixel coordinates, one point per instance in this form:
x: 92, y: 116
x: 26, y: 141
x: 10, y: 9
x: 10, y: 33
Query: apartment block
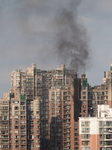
x: 100, y: 94
x: 61, y: 118
x: 4, y: 124
x: 44, y: 107
x: 95, y: 133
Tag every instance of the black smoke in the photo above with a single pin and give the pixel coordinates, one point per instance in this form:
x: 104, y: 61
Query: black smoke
x: 72, y: 40
x: 43, y: 31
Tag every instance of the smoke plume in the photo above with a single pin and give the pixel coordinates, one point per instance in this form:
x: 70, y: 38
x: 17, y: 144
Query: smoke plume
x: 43, y: 31
x: 72, y: 42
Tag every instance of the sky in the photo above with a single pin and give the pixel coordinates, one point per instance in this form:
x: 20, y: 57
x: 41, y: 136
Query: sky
x: 30, y: 31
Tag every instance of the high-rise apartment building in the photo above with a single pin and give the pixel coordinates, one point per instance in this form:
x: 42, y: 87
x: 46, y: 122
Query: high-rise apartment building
x: 20, y: 124
x: 4, y: 124
x: 43, y: 109
x: 95, y: 133
x: 100, y: 94
x: 61, y: 111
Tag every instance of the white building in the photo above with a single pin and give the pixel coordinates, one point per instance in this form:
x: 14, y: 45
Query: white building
x: 95, y: 133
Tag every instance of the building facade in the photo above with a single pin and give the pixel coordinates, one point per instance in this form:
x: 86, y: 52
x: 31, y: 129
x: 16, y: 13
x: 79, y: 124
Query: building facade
x: 95, y: 133
x: 100, y: 94
x: 43, y: 109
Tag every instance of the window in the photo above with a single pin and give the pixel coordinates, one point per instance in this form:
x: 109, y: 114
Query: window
x: 16, y: 112
x: 85, y: 123
x: 85, y: 148
x: 23, y: 117
x: 84, y: 97
x: 16, y: 127
x: 23, y: 146
x: 23, y: 132
x: 85, y: 136
x: 37, y: 103
x: 84, y: 102
x: 16, y: 108
x: 84, y: 93
x: 84, y: 111
x: 23, y: 136
x: 16, y: 137
x: 31, y: 127
x: 37, y: 145
x: 22, y: 107
x: 76, y: 129
x: 23, y: 141
x: 22, y: 103
x: 84, y: 106
x: 23, y: 127
x: 16, y: 117
x: 83, y: 88
x: 85, y: 130
x: 23, y: 122
x: 15, y: 102
x: 37, y: 136
x: 58, y: 93
x: 67, y: 81
x: 5, y: 102
x: 76, y: 125
x: 16, y: 122
x: 85, y: 143
x: 37, y: 127
x: 37, y: 107
x: 109, y: 123
x: 37, y: 112
x: 22, y: 112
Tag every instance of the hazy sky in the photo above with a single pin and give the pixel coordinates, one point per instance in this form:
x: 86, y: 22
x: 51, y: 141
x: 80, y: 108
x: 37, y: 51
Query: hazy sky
x: 29, y: 29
